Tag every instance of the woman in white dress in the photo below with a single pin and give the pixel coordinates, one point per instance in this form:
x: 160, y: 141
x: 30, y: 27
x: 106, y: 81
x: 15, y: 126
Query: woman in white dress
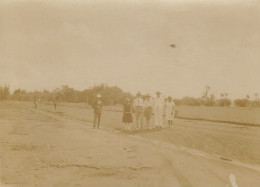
x: 169, y: 110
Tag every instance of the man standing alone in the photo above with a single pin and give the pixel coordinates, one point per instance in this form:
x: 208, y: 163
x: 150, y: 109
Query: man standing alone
x: 97, y: 106
x: 139, y: 110
x: 158, y: 105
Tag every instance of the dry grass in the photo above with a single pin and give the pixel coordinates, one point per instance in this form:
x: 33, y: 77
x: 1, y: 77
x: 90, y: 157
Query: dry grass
x: 222, y: 114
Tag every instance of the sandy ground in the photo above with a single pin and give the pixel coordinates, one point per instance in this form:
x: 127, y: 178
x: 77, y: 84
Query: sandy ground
x: 61, y: 149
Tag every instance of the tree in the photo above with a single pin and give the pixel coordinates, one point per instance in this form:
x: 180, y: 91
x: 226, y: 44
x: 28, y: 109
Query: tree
x: 256, y: 101
x: 68, y: 93
x: 206, y: 93
x: 4, y: 92
x: 19, y: 94
x: 208, y: 100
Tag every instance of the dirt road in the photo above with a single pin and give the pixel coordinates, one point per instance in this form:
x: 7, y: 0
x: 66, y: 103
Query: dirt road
x: 41, y: 149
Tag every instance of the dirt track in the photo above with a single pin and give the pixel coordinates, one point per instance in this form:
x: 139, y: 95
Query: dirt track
x: 63, y: 150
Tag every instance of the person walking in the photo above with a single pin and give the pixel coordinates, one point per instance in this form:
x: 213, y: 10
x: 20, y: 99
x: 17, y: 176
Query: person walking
x: 127, y: 114
x: 169, y: 110
x: 97, y: 106
x: 148, y: 108
x: 139, y: 109
x: 158, y: 105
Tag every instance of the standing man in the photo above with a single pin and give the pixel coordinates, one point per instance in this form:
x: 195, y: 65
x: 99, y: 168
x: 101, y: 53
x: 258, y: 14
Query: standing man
x: 139, y: 110
x: 148, y: 109
x: 35, y: 103
x: 97, y: 106
x: 54, y: 104
x: 158, y: 105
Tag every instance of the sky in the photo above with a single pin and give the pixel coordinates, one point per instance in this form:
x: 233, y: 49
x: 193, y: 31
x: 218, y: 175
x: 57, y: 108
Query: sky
x: 46, y: 44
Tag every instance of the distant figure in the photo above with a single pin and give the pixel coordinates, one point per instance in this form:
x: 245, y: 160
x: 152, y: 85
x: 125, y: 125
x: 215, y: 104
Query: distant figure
x: 97, y: 106
x: 148, y: 109
x: 169, y: 110
x: 35, y: 103
x: 158, y: 104
x: 54, y: 104
x: 139, y: 110
x: 127, y: 114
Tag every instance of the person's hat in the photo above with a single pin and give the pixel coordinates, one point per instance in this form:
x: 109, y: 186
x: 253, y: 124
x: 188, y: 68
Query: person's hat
x: 138, y: 94
x: 98, y: 95
x: 169, y: 97
x: 157, y: 92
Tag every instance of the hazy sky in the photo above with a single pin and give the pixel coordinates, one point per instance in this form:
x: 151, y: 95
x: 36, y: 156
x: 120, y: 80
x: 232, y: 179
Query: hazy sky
x: 46, y: 44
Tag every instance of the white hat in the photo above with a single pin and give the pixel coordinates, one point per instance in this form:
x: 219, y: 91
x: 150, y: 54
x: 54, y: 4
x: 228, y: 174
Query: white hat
x: 98, y: 95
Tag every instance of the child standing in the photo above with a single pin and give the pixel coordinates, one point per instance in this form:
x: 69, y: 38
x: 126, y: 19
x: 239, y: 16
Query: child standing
x: 169, y: 110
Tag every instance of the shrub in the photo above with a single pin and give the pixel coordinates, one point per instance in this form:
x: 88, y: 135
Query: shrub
x: 224, y: 102
x: 242, y: 102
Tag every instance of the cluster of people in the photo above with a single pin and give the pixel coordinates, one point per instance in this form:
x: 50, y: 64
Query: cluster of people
x: 143, y: 106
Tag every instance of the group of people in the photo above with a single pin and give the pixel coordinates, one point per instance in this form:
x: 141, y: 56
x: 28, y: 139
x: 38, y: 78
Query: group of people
x: 143, y: 106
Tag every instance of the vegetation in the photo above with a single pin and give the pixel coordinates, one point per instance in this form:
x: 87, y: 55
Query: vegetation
x: 4, y: 92
x: 115, y: 95
x: 110, y: 95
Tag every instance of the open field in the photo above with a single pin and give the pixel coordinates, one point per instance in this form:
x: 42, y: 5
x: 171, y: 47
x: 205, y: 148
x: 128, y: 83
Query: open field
x: 44, y: 147
x: 239, y: 115
x: 225, y: 114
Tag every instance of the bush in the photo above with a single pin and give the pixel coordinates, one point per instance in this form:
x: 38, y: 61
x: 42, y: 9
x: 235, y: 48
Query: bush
x: 224, y: 102
x: 242, y: 102
x: 209, y: 102
x: 177, y: 102
x: 190, y: 101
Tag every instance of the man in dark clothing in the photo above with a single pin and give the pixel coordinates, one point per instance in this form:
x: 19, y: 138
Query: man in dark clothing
x: 54, y: 104
x: 97, y: 106
x: 35, y: 103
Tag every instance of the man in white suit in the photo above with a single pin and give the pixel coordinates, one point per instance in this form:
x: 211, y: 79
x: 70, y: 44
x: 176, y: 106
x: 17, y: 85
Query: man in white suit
x: 158, y: 105
x: 139, y: 110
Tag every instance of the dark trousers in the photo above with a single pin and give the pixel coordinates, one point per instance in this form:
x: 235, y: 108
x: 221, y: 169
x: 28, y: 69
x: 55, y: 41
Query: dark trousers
x: 97, y: 117
x: 148, y: 114
x: 139, y: 113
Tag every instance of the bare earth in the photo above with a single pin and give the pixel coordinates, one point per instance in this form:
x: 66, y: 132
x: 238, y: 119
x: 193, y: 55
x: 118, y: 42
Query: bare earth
x: 61, y: 149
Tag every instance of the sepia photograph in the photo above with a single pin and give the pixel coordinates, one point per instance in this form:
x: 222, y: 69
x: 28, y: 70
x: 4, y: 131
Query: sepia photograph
x: 129, y: 93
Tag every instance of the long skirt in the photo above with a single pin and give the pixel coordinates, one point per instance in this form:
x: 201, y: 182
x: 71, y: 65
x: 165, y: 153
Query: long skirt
x: 127, y: 117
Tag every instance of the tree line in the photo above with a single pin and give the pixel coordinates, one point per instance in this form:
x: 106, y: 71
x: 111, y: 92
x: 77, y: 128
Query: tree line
x: 112, y: 95
x: 209, y: 99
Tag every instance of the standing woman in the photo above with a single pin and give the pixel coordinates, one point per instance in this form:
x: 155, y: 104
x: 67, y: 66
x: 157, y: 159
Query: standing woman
x: 169, y: 110
x: 127, y: 114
